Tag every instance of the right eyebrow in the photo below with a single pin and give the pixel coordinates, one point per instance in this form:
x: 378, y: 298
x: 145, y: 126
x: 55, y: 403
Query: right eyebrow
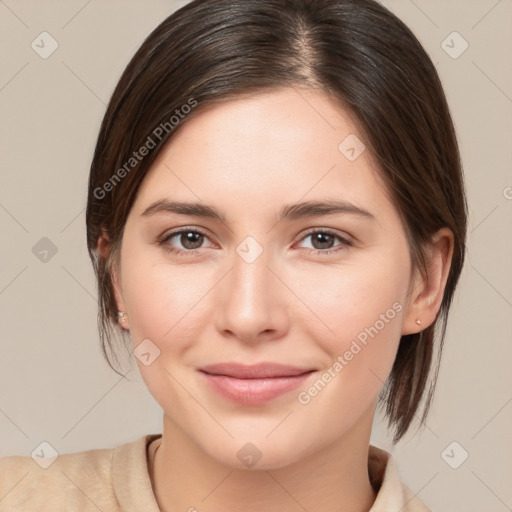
x: 182, y: 208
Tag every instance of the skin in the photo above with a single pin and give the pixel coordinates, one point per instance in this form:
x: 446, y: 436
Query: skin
x: 293, y: 304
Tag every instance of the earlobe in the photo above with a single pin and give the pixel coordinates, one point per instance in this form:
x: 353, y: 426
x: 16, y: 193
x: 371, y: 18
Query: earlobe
x: 429, y: 288
x: 104, y: 248
x: 122, y: 316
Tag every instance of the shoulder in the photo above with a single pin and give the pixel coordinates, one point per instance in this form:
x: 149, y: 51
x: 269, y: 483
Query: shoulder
x: 392, y: 494
x: 71, y: 481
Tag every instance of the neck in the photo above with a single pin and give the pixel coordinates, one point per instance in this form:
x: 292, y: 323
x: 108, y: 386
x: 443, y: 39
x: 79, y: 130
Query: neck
x: 185, y: 478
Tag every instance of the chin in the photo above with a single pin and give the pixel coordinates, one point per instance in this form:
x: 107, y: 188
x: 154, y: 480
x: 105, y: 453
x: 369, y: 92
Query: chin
x: 260, y: 453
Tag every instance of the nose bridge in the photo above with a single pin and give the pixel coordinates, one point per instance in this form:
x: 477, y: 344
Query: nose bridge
x: 250, y: 277
x: 249, y: 302
x: 251, y: 273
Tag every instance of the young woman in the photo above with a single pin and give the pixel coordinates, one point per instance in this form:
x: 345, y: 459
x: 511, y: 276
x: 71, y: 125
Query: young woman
x: 277, y: 221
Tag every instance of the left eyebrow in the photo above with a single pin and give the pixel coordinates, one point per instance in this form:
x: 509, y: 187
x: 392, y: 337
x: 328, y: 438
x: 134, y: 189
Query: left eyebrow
x: 315, y: 208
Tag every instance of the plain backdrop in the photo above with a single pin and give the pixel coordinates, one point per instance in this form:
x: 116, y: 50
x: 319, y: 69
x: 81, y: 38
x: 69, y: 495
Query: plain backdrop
x: 55, y: 385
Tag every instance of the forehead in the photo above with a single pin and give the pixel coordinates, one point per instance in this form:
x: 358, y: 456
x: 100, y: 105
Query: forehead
x: 283, y: 145
x: 277, y: 119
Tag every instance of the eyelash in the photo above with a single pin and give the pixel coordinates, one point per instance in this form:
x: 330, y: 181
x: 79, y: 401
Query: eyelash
x: 163, y: 241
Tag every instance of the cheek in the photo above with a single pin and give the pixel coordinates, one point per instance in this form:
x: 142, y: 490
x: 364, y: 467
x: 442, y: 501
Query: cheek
x: 161, y: 297
x: 344, y: 299
x: 357, y: 313
x: 363, y: 307
x: 164, y: 303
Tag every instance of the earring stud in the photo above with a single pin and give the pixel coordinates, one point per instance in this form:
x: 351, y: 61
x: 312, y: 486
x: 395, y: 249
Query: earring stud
x: 418, y: 321
x: 121, y: 315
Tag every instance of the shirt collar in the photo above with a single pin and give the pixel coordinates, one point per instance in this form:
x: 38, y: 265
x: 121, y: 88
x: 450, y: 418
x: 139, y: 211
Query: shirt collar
x: 132, y: 485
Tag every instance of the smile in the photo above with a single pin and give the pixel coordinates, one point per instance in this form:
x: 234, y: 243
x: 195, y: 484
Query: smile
x: 254, y: 384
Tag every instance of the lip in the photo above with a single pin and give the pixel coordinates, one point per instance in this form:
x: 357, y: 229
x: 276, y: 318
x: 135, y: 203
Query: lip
x: 254, y: 384
x: 254, y: 371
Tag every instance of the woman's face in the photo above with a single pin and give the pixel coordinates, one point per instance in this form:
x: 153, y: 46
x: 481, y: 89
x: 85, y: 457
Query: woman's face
x: 305, y: 263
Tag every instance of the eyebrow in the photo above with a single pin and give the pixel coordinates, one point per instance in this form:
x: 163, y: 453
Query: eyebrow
x: 288, y: 212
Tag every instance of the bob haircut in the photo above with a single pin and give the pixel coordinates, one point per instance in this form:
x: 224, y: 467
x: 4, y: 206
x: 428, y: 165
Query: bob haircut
x: 356, y: 52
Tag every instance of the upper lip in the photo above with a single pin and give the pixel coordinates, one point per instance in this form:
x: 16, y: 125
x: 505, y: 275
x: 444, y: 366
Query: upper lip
x: 254, y: 371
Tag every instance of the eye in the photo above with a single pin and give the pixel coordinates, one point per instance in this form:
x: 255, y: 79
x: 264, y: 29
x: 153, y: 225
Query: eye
x: 322, y: 241
x: 191, y: 239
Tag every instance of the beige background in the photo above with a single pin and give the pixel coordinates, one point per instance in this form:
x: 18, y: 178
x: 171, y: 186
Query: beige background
x: 54, y: 384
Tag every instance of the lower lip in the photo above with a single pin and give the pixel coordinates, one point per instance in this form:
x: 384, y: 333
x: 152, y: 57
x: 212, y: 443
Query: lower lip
x: 254, y: 391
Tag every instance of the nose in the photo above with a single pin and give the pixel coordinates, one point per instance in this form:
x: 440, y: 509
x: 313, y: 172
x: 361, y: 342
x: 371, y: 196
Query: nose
x: 252, y: 303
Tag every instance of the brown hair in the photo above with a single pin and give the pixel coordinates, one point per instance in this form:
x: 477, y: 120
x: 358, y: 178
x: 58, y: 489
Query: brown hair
x: 358, y: 53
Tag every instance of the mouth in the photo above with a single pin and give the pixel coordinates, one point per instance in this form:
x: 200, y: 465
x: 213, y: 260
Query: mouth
x: 254, y: 384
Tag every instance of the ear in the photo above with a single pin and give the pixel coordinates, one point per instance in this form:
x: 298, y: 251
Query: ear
x: 104, y: 248
x: 428, y: 289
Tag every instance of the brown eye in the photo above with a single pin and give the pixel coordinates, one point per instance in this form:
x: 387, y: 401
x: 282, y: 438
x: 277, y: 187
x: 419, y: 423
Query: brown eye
x: 323, y: 241
x: 183, y: 241
x: 190, y: 239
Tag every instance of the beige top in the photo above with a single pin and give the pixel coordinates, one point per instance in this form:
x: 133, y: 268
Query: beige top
x: 117, y: 480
